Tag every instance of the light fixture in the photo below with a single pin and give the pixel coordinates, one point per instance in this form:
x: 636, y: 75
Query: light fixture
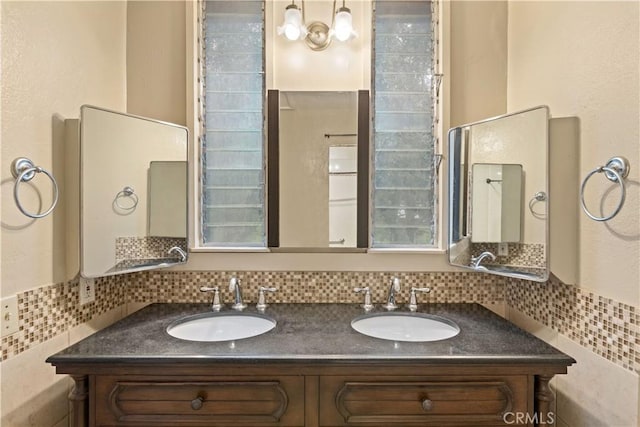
x: 293, y: 27
x: 317, y: 35
x: 343, y: 24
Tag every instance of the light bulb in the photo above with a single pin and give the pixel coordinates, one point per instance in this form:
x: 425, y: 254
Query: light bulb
x: 292, y: 27
x: 343, y: 27
x: 292, y: 32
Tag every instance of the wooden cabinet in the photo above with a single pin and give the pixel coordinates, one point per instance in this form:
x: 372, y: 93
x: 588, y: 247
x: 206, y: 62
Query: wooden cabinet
x: 318, y: 395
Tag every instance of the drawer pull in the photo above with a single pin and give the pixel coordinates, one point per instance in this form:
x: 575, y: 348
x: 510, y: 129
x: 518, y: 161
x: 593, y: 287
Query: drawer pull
x: 197, y: 403
x: 427, y: 404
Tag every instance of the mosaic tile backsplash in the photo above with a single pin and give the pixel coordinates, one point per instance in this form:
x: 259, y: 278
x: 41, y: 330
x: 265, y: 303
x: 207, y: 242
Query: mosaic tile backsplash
x: 313, y: 287
x: 146, y: 247
x: 520, y: 254
x: 606, y: 327
x: 46, y: 312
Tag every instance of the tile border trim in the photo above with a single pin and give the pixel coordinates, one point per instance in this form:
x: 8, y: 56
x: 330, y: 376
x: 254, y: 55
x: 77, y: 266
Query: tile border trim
x: 602, y: 325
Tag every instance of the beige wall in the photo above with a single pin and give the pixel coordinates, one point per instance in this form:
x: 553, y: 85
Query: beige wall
x: 478, y: 60
x: 304, y: 179
x: 582, y: 59
x: 56, y: 56
x: 304, y: 163
x: 156, y: 61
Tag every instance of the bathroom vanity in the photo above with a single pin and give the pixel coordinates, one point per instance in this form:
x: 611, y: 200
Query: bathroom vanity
x: 312, y: 369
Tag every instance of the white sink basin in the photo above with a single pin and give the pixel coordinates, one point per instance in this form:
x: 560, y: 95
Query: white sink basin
x: 220, y: 326
x: 412, y: 327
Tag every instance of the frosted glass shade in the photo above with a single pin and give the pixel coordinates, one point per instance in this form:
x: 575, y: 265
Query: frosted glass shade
x: 292, y: 27
x: 343, y: 27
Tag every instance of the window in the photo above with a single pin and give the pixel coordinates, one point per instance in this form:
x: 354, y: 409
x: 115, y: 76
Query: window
x: 404, y: 169
x: 403, y: 187
x: 232, y: 130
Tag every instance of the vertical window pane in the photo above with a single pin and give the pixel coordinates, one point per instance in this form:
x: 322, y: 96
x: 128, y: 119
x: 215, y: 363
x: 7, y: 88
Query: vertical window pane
x: 403, y: 183
x: 233, y: 211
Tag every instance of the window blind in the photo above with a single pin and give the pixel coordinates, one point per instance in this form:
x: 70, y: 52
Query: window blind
x: 404, y: 196
x: 232, y: 59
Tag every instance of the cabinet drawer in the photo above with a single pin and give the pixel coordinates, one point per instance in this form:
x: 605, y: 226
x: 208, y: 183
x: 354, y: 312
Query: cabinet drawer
x: 211, y: 403
x: 480, y: 401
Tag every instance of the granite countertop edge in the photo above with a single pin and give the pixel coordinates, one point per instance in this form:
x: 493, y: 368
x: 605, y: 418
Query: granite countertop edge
x: 311, y: 334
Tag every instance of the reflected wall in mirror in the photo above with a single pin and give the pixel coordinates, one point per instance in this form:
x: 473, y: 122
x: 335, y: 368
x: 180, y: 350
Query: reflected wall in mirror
x: 133, y: 193
x: 497, y: 167
x: 322, y: 169
x: 318, y: 168
x: 496, y: 202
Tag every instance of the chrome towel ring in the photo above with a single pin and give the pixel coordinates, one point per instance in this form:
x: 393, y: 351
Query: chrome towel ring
x: 23, y: 170
x: 540, y: 196
x: 616, y: 170
x: 126, y: 192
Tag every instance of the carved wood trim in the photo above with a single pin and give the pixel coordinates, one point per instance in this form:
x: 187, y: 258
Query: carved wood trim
x: 79, y: 399
x: 544, y: 398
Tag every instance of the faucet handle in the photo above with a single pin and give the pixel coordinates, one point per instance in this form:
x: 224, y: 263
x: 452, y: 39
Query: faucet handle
x: 368, y: 306
x: 215, y: 304
x: 413, y: 301
x: 262, y: 304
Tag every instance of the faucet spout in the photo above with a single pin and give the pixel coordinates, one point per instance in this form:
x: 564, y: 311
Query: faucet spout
x: 234, y: 286
x: 181, y: 253
x: 391, y: 298
x: 475, y: 261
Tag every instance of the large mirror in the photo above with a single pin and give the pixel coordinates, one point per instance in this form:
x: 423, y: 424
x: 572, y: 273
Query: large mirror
x: 133, y: 178
x: 498, y: 190
x: 322, y: 170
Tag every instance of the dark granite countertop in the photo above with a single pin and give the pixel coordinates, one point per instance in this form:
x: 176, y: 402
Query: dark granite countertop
x: 308, y: 333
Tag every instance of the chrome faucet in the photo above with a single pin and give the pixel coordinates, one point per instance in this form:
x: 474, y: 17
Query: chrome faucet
x: 475, y: 261
x: 181, y: 253
x: 391, y: 298
x: 234, y: 286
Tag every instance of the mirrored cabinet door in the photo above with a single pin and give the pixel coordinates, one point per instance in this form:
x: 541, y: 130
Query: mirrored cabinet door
x: 498, y: 192
x: 133, y: 198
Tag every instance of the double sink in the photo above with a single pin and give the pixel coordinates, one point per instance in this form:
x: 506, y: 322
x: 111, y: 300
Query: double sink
x: 394, y: 326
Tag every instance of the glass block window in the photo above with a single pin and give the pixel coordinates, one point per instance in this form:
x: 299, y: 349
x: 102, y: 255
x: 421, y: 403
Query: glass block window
x: 404, y: 190
x: 232, y: 119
